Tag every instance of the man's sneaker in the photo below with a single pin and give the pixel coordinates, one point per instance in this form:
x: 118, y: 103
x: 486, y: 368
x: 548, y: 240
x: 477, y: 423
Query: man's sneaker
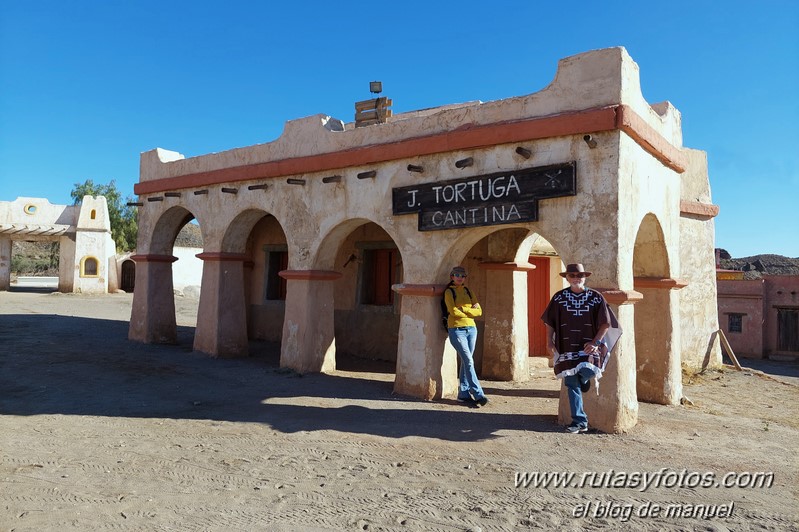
x: 585, y: 385
x: 576, y: 428
x: 482, y: 401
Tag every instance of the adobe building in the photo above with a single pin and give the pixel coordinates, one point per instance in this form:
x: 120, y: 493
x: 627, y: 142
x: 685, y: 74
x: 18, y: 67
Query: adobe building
x: 338, y: 239
x: 760, y: 317
x: 86, y: 250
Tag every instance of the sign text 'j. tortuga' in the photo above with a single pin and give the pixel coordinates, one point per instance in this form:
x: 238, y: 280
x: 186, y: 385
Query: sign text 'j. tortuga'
x: 493, y: 199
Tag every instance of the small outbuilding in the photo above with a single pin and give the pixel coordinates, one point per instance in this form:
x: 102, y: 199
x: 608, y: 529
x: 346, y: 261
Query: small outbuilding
x: 86, y: 250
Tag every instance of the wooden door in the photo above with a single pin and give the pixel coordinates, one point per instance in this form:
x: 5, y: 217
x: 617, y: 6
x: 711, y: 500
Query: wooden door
x: 537, y: 301
x: 788, y: 329
x: 128, y: 281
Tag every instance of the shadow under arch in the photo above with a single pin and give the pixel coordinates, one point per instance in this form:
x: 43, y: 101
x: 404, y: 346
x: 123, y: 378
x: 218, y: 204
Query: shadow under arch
x: 501, y: 274
x: 260, y: 240
x: 542, y: 283
x: 658, y: 377
x: 366, y: 308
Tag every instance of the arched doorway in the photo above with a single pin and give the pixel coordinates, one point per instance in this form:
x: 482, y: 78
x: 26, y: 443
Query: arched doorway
x: 153, y: 315
x: 267, y: 255
x: 542, y: 282
x: 127, y: 282
x: 366, y: 308
x: 657, y: 356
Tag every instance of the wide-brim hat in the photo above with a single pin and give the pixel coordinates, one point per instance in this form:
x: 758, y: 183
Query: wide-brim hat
x: 575, y: 268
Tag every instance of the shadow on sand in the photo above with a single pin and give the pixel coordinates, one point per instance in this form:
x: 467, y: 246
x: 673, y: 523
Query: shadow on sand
x: 52, y: 364
x: 32, y: 289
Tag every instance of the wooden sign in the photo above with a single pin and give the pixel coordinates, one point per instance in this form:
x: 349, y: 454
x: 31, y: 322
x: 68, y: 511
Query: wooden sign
x: 493, y: 199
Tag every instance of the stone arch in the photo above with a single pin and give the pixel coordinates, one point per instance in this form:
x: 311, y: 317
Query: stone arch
x: 261, y: 238
x: 497, y: 259
x: 153, y: 318
x: 366, y: 308
x: 658, y: 377
x: 240, y: 229
x: 542, y: 283
x: 166, y: 229
x: 309, y: 340
x: 223, y: 318
x: 330, y: 243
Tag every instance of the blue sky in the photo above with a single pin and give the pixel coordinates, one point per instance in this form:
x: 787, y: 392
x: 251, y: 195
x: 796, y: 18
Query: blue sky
x: 86, y: 86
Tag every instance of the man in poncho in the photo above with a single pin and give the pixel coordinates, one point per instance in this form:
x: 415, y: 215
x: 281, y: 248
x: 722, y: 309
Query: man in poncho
x: 581, y: 333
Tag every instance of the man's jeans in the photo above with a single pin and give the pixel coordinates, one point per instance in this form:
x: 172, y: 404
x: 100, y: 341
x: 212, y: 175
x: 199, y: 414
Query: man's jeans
x: 463, y: 339
x: 572, y: 383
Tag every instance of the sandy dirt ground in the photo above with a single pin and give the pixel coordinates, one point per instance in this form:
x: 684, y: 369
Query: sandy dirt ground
x: 99, y: 433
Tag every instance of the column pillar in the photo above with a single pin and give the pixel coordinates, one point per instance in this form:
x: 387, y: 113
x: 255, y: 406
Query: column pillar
x: 5, y: 263
x: 427, y: 364
x: 222, y: 317
x: 506, y: 343
x: 657, y: 346
x: 152, y: 316
x: 309, y: 343
x: 615, y: 409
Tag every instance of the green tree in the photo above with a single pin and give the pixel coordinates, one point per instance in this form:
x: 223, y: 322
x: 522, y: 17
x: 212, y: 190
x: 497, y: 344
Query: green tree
x: 124, y: 227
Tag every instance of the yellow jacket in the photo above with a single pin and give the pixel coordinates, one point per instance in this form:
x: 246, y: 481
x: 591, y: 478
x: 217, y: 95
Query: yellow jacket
x: 463, y: 309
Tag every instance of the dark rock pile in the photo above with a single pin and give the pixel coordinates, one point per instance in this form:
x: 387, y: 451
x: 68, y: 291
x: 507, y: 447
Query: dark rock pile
x: 756, y: 266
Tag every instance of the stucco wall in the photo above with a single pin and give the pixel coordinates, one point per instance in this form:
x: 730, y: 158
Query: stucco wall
x: 697, y: 301
x: 265, y: 316
x: 781, y: 291
x: 364, y: 330
x: 743, y: 297
x: 93, y: 241
x: 187, y: 271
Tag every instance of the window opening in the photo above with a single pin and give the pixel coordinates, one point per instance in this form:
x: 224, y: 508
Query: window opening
x: 380, y: 270
x: 277, y: 260
x: 735, y: 323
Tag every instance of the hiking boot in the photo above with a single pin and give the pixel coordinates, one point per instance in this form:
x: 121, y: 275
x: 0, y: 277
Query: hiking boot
x: 576, y: 428
x: 585, y: 385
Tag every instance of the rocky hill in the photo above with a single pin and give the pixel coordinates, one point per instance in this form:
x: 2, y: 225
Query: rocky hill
x: 756, y: 266
x: 34, y: 258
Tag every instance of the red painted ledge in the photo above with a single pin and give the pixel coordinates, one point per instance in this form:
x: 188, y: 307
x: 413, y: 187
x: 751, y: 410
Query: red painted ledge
x: 508, y: 266
x: 614, y: 296
x: 310, y: 275
x: 221, y: 256
x: 153, y: 258
x: 665, y: 283
x: 699, y: 209
x: 425, y: 290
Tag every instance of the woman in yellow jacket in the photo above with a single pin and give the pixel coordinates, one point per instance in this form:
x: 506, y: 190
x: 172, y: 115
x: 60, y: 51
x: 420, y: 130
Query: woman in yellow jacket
x: 463, y: 308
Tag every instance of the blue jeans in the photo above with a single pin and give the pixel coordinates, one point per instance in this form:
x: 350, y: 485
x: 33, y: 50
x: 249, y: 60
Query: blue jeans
x: 572, y: 383
x: 463, y: 339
